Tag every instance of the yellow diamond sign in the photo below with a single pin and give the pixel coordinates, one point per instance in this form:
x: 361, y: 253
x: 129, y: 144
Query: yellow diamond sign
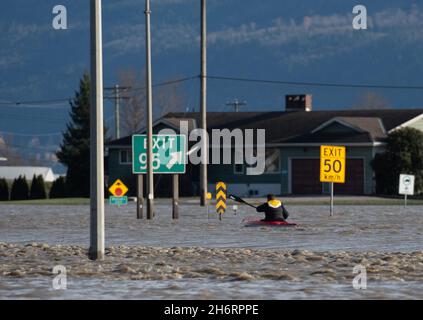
x: 118, y: 189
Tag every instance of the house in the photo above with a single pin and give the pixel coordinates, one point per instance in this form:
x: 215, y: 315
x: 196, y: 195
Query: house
x: 293, y: 139
x: 11, y: 172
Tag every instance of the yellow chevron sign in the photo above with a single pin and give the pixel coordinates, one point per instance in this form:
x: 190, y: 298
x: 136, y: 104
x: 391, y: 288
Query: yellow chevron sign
x: 220, y: 197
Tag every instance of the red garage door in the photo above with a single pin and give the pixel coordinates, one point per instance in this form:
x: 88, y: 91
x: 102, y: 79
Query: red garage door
x: 354, y: 178
x: 305, y: 175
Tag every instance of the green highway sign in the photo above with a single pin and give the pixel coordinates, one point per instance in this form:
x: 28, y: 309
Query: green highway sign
x: 169, y: 154
x: 118, y: 201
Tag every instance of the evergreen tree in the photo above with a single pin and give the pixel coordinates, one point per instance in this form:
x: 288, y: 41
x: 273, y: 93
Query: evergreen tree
x: 4, y: 190
x: 404, y: 154
x: 20, y: 189
x: 38, y: 188
x: 75, y: 149
x: 58, y: 188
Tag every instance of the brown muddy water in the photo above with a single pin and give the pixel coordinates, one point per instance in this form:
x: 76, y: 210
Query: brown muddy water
x: 200, y: 257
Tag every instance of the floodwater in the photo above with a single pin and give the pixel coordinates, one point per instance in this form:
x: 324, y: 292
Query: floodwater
x: 199, y: 256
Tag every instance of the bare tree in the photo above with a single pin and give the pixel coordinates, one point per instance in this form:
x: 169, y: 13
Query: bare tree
x: 169, y: 98
x: 132, y: 112
x: 372, y: 100
x: 166, y: 98
x: 8, y: 152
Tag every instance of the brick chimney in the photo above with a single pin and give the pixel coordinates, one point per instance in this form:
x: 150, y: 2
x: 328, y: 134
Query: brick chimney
x: 298, y: 102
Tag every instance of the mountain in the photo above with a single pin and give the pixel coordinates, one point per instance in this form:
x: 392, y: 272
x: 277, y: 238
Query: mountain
x: 295, y: 41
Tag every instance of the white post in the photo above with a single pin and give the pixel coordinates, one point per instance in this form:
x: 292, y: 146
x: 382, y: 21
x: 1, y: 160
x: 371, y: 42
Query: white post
x: 331, y: 199
x: 96, y: 136
x: 405, y: 201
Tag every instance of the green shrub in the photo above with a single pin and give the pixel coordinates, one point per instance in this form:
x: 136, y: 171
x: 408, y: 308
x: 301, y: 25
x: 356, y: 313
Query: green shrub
x: 4, y: 190
x: 20, y: 189
x: 38, y: 188
x: 58, y: 188
x: 404, y: 154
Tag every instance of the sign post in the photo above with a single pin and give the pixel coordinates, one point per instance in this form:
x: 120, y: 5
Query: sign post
x: 208, y: 197
x: 169, y: 157
x: 175, y: 197
x: 140, y: 196
x: 118, y: 190
x: 332, y: 167
x: 406, y: 186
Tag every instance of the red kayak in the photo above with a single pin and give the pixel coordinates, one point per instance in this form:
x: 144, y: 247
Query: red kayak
x: 256, y: 222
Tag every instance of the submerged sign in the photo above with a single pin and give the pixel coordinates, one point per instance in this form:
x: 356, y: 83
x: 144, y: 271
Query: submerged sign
x: 118, y: 201
x: 169, y: 154
x: 332, y: 164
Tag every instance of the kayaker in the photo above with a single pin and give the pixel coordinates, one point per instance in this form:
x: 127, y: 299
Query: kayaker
x: 273, y: 209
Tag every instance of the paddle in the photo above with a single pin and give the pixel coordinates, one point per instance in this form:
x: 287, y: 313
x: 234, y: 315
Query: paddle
x: 238, y: 199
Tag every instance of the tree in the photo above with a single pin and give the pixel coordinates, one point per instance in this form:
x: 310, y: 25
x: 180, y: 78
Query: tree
x: 372, y: 101
x: 168, y: 98
x: 58, y: 188
x: 404, y: 154
x: 75, y: 149
x: 20, y: 189
x: 38, y: 188
x: 132, y: 112
x: 4, y: 190
x: 8, y: 152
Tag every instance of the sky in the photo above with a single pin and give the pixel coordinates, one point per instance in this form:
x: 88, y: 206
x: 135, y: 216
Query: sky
x: 290, y: 40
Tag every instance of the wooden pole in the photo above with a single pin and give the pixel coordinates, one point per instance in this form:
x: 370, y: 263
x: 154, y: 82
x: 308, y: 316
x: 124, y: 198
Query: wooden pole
x: 149, y: 117
x: 140, y: 196
x: 175, y: 198
x: 203, y: 106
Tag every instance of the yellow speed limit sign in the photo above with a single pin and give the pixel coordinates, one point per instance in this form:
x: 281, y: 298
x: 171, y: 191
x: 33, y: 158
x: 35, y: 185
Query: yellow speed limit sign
x: 332, y: 164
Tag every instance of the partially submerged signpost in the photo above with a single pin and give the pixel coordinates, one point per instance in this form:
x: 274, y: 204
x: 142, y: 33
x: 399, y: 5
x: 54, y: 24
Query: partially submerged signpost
x: 118, y: 191
x: 406, y: 186
x: 168, y: 157
x: 332, y: 167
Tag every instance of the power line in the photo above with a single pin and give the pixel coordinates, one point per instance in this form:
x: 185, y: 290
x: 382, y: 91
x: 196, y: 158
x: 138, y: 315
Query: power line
x: 20, y: 146
x: 32, y: 117
x: 317, y: 84
x: 31, y: 134
x: 45, y: 103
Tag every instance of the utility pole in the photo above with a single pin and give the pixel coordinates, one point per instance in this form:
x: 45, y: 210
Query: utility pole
x: 236, y: 104
x: 117, y: 112
x: 96, y: 136
x: 150, y: 175
x: 116, y: 89
x: 203, y: 108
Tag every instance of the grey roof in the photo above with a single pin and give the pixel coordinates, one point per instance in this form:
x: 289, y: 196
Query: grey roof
x: 295, y: 127
x: 12, y: 172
